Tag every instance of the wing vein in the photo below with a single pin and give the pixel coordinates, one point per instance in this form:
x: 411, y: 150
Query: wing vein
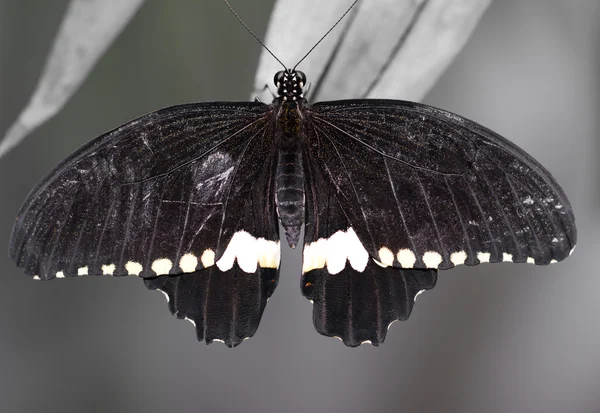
x: 352, y: 185
x: 58, y: 233
x: 433, y: 220
x: 460, y: 218
x: 187, y: 215
x: 378, y: 151
x: 518, y: 202
x: 158, y: 208
x: 128, y: 225
x: 230, y: 186
x: 102, y: 233
x: 191, y: 161
x: 485, y: 223
x: 408, y: 234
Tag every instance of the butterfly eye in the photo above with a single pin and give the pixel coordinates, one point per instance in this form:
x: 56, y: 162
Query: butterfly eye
x: 279, y: 76
x: 301, y: 77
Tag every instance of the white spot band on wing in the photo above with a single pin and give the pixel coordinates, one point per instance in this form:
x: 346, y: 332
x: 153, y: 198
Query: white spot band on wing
x: 249, y: 252
x: 386, y: 257
x: 507, y: 257
x: 208, y: 258
x: 432, y: 259
x: 108, y: 269
x: 133, y: 268
x: 162, y: 266
x: 458, y: 258
x: 483, y: 256
x: 188, y: 262
x: 406, y: 258
x: 333, y: 252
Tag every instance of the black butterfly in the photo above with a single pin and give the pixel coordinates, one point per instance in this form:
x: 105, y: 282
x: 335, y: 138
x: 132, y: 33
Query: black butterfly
x: 190, y: 198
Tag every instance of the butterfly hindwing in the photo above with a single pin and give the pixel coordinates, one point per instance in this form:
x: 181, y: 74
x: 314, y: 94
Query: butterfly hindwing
x: 424, y: 188
x: 359, y: 306
x: 225, y: 302
x: 354, y: 297
x: 163, y: 194
x: 222, y: 305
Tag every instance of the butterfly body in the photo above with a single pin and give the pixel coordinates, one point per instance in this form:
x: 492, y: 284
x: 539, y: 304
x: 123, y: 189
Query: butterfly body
x: 289, y: 133
x: 190, y: 198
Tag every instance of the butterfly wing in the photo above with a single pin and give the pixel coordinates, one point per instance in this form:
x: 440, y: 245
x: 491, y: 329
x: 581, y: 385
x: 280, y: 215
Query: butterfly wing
x: 424, y: 188
x: 397, y: 190
x: 222, y: 305
x: 184, y: 190
x: 163, y: 194
x: 226, y: 302
x: 354, y: 298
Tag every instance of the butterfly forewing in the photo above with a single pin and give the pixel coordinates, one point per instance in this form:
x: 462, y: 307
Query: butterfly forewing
x: 163, y: 194
x: 423, y: 188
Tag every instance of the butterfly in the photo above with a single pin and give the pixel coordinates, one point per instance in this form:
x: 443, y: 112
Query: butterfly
x: 190, y: 198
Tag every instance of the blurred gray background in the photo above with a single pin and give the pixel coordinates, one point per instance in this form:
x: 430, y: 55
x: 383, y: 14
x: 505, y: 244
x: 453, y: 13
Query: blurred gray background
x: 494, y: 338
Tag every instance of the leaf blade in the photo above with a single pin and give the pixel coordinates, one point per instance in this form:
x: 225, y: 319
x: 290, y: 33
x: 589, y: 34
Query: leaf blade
x: 88, y: 28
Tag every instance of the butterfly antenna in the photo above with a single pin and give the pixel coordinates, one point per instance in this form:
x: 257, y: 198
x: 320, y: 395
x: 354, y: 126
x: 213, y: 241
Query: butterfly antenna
x: 325, y: 35
x: 255, y: 36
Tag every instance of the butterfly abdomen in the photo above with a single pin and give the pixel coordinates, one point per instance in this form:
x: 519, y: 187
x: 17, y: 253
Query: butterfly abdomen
x: 289, y: 186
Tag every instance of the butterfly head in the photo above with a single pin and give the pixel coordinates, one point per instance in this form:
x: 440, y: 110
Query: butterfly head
x: 290, y: 84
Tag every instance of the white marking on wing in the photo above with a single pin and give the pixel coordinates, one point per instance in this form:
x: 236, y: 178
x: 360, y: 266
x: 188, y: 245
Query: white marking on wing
x: 269, y: 255
x: 357, y: 254
x: 337, y: 254
x: 249, y: 252
x: 483, y: 256
x: 133, y: 268
x: 432, y: 259
x: 82, y: 271
x: 315, y: 255
x: 333, y: 252
x: 108, y: 269
x: 60, y: 274
x: 165, y: 294
x: 246, y: 251
x: 188, y: 262
x: 406, y: 258
x: 386, y: 256
x: 162, y: 266
x: 458, y: 258
x: 208, y: 258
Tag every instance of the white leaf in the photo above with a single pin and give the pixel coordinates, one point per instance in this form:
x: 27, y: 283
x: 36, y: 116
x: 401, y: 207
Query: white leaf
x: 87, y: 30
x: 383, y: 48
